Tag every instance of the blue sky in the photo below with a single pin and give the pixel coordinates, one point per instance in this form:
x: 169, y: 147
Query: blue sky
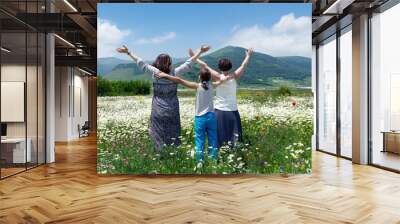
x: 149, y: 29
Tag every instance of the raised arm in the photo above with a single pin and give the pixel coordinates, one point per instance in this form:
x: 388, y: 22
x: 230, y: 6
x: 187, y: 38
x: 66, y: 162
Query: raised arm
x: 146, y: 68
x: 191, y: 85
x: 246, y: 60
x: 217, y: 83
x: 187, y: 66
x: 214, y: 74
x: 124, y: 50
x: 221, y: 80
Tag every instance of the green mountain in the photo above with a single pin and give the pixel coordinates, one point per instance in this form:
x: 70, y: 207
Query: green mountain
x: 106, y: 65
x: 263, y: 70
x: 126, y: 72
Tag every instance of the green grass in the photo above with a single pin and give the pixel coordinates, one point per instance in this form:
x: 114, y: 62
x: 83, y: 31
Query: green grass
x: 269, y: 147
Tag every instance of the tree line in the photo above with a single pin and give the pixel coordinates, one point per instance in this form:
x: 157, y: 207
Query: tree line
x: 107, y: 87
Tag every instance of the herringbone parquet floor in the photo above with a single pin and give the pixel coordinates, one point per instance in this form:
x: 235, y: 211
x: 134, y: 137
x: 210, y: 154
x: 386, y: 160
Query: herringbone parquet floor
x: 70, y: 191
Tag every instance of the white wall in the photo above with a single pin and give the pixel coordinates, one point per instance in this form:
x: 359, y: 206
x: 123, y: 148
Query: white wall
x: 62, y: 83
x: 13, y: 101
x: 33, y: 126
x: 81, y: 89
x: 70, y: 83
x: 14, y: 72
x: 11, y: 73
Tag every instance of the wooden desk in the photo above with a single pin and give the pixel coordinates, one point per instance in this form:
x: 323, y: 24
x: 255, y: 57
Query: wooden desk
x: 391, y: 141
x: 13, y: 150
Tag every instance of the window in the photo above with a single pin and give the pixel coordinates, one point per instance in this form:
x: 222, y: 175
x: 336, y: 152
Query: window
x: 346, y: 92
x: 385, y: 89
x: 22, y: 88
x: 327, y: 95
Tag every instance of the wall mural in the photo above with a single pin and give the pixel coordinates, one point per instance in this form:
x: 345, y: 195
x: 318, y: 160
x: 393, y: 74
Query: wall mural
x: 204, y: 88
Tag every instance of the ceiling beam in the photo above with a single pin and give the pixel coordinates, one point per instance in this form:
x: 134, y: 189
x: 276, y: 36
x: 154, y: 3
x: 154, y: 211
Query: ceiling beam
x: 79, y: 61
x: 49, y: 22
x: 337, y: 7
x: 86, y: 26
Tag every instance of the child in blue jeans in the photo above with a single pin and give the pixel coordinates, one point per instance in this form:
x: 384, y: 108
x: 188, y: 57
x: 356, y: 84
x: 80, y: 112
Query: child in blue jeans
x: 205, y: 121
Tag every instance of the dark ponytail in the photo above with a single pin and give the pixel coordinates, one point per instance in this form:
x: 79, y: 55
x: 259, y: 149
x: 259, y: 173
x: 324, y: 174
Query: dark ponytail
x: 205, y: 76
x: 204, y: 85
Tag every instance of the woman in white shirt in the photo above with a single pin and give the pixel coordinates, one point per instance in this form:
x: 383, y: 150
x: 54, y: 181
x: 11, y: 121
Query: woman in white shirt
x: 226, y: 111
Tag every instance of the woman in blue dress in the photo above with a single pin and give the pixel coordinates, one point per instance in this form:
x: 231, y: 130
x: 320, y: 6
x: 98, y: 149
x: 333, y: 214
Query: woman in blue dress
x: 165, y: 125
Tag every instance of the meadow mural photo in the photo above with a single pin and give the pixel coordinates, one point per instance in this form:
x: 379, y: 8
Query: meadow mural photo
x: 204, y: 89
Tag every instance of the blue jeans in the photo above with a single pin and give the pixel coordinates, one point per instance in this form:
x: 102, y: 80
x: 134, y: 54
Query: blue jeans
x: 206, y: 124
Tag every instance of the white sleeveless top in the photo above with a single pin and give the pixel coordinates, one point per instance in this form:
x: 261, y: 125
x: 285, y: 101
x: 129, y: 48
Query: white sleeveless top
x: 225, y: 98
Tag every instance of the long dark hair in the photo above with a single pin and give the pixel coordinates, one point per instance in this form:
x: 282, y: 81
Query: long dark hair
x: 205, y: 76
x: 163, y: 63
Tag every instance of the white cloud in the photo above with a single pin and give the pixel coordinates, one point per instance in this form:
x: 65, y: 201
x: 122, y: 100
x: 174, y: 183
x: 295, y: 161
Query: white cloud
x: 235, y: 27
x: 157, y: 39
x: 290, y: 36
x: 109, y: 37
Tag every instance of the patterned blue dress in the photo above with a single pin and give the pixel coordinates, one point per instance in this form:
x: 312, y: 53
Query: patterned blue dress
x: 165, y: 123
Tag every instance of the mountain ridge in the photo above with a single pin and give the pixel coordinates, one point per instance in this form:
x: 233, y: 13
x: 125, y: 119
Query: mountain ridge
x: 262, y: 70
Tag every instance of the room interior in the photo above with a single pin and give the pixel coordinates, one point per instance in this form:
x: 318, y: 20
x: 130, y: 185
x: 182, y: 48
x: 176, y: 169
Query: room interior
x: 356, y: 158
x: 25, y: 67
x: 22, y: 101
x: 339, y: 49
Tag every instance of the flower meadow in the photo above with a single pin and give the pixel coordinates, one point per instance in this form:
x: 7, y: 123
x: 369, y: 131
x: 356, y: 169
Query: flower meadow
x: 277, y: 134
